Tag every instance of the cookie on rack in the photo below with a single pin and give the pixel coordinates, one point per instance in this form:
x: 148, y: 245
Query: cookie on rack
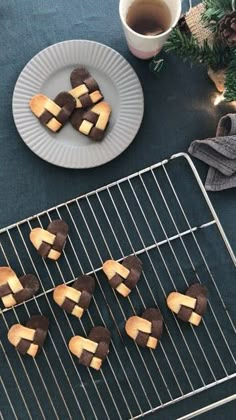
x: 76, y: 298
x: 146, y: 330
x: 91, y: 351
x: 92, y: 123
x: 50, y: 242
x: 123, y: 277
x: 191, y: 306
x: 53, y: 114
x: 13, y: 289
x: 29, y: 339
x: 85, y: 88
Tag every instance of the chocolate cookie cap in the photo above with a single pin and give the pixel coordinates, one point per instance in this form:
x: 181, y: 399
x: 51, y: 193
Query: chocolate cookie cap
x: 200, y: 293
x: 77, y: 118
x: 134, y: 264
x: 81, y: 75
x: 40, y: 324
x: 155, y: 317
x: 30, y: 285
x: 101, y: 336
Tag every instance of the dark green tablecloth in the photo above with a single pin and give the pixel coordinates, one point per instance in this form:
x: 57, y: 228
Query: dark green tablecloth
x: 178, y: 109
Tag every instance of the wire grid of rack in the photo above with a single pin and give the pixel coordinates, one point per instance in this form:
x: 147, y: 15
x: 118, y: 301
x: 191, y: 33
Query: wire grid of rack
x: 163, y: 215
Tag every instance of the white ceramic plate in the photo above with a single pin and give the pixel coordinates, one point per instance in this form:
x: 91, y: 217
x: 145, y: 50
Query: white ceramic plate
x: 49, y: 73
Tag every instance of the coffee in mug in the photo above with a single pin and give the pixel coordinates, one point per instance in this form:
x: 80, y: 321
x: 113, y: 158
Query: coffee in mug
x: 147, y: 24
x: 149, y: 17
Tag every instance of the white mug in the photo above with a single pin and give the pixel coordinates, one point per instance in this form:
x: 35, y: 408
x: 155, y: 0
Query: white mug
x: 143, y: 46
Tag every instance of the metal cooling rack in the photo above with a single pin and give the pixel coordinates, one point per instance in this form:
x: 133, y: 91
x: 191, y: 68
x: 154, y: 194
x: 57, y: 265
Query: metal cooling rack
x: 164, y: 215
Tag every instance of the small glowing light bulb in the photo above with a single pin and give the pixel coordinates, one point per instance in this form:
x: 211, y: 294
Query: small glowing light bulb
x: 219, y: 99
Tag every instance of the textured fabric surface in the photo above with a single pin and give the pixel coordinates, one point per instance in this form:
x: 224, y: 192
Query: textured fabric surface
x: 178, y: 108
x: 220, y: 154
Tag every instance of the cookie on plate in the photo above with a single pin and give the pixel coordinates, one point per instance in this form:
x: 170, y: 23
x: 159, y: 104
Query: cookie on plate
x: 92, y: 123
x: 53, y: 114
x: 85, y: 88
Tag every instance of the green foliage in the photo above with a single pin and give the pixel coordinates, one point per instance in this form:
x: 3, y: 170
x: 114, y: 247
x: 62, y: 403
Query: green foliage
x: 230, y: 81
x: 187, y: 47
x: 184, y: 46
x: 217, y: 56
x: 214, y: 11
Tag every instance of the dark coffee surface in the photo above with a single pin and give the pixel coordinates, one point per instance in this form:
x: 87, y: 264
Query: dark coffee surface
x: 149, y: 17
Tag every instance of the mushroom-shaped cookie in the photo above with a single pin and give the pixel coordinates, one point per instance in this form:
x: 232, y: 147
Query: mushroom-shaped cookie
x: 75, y: 299
x: 123, y: 277
x: 191, y: 306
x: 15, y: 290
x: 147, y: 329
x: 50, y: 243
x: 29, y: 339
x: 93, y: 350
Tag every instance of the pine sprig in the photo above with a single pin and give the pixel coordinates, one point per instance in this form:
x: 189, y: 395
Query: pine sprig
x: 186, y: 47
x: 214, y: 10
x: 230, y: 81
x: 217, y: 56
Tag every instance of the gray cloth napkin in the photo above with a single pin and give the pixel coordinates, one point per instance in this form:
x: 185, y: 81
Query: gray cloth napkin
x: 220, y: 154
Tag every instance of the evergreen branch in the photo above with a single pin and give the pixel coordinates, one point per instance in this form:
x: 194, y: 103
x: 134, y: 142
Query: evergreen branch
x: 184, y: 46
x: 214, y: 11
x: 221, y: 55
x: 230, y: 81
x: 187, y: 47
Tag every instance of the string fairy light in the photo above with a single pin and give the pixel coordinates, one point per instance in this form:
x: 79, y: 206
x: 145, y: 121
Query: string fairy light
x: 218, y: 99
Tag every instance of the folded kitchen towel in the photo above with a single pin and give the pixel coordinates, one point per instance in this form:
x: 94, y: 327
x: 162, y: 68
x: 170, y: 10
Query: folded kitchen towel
x: 220, y: 154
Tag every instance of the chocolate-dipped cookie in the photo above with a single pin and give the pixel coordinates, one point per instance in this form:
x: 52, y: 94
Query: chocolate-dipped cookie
x: 50, y: 243
x: 92, y: 123
x: 93, y: 350
x: 123, y: 277
x: 147, y: 329
x: 29, y: 339
x: 75, y: 299
x: 85, y: 88
x: 191, y: 306
x: 15, y: 290
x: 53, y: 114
